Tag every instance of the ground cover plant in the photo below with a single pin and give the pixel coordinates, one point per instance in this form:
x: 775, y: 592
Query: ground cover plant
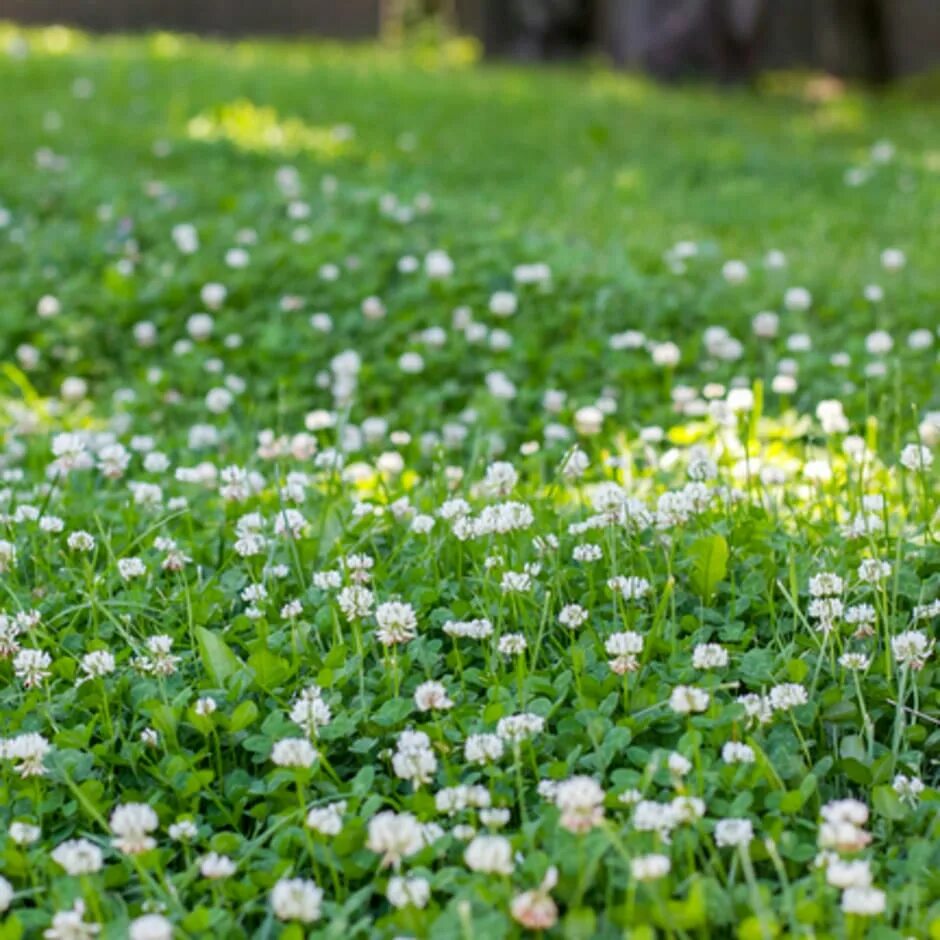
x: 453, y: 501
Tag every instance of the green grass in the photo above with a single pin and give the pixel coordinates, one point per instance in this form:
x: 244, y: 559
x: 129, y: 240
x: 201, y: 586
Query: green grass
x: 231, y: 489
x: 595, y: 173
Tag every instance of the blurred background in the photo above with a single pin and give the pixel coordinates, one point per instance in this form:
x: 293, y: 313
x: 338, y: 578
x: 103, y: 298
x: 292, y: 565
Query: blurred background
x: 728, y: 40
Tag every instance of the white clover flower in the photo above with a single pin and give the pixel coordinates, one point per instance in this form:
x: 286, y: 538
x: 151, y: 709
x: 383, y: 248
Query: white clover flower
x: 678, y: 764
x: 186, y: 238
x: 7, y: 555
x: 734, y: 752
x: 294, y: 752
x: 213, y: 295
x: 666, y: 355
x: 516, y: 728
x: 422, y: 524
x: 373, y: 308
x: 687, y: 809
x: 10, y: 631
x: 490, y: 855
x: 734, y: 271
x: 205, y: 706
x: 310, y: 711
x: 624, y: 649
x: 500, y: 478
x: 23, y: 833
x: 572, y: 616
x: 71, y: 925
x: 535, y: 909
x: 73, y: 388
x: 825, y: 584
x: 893, y: 259
x: 503, y: 303
x: 327, y: 820
x: 453, y: 800
x: 907, y: 788
x: 650, y: 867
x: 150, y: 927
x: 78, y: 857
x: 215, y: 867
x: 131, y: 824
x: 916, y: 457
x: 848, y: 874
x: 394, y: 836
x: 912, y: 648
x: 766, y: 324
x: 183, y: 830
x: 587, y: 553
x: 873, y: 570
x: 414, y: 760
x: 31, y: 667
x: 438, y: 265
x: 581, y: 802
x: 483, y: 748
x: 515, y: 582
x: 327, y: 580
x: 787, y: 695
x: 512, y: 644
x: 432, y: 696
x: 847, y: 810
x: 297, y: 899
x: 397, y: 623
x: 734, y: 832
x: 471, y: 629
x: 113, y: 461
x: 588, y: 420
x: 686, y: 699
x: 408, y: 892
x: 495, y: 817
x: 130, y: 568
x: 575, y: 464
x: 159, y: 659
x: 797, y: 299
x: 219, y: 400
x: 709, y: 656
x: 355, y: 601
x: 843, y: 824
x: 863, y: 901
x: 855, y: 661
x: 48, y: 307
x: 536, y: 273
x: 630, y: 588
x: 650, y: 816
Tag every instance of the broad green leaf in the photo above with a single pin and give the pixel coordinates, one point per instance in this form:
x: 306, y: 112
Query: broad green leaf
x: 270, y: 670
x: 887, y: 803
x: 243, y: 716
x: 709, y: 564
x: 217, y: 656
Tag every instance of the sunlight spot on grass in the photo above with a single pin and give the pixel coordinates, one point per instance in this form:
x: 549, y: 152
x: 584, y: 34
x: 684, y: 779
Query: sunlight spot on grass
x: 932, y: 161
x: 629, y: 179
x: 619, y: 87
x: 260, y: 129
x: 25, y: 410
x: 50, y: 41
x: 841, y: 114
x: 166, y: 45
x: 461, y: 52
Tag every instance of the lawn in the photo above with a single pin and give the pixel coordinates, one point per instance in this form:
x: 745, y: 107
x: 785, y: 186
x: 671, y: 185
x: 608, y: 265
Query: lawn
x: 444, y: 500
